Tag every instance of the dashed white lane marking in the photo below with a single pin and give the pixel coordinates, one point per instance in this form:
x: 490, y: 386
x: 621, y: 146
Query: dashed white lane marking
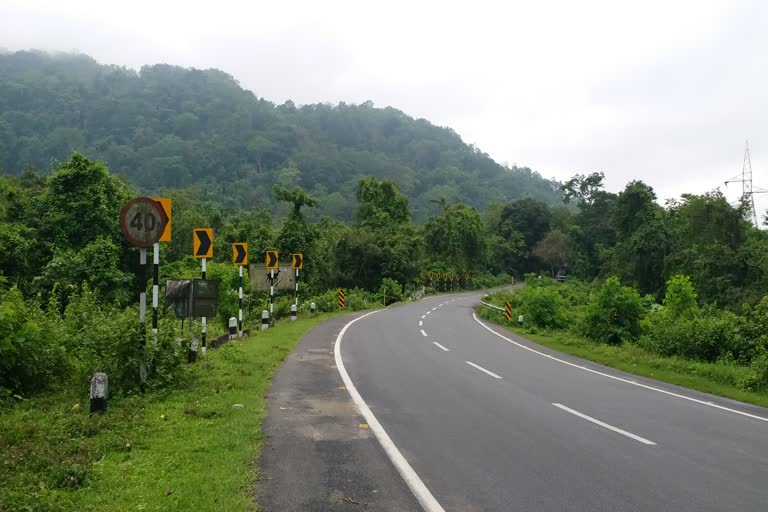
x: 676, y: 395
x: 423, y: 317
x: 423, y: 333
x: 421, y: 322
x: 442, y: 347
x: 605, y: 425
x: 434, y: 308
x: 470, y: 363
x: 411, y: 478
x: 428, y: 312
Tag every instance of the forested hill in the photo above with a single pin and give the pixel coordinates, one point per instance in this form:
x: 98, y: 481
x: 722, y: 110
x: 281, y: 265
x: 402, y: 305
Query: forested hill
x: 171, y: 127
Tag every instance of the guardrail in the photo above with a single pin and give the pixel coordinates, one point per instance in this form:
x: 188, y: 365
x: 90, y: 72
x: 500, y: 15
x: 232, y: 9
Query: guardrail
x: 491, y: 306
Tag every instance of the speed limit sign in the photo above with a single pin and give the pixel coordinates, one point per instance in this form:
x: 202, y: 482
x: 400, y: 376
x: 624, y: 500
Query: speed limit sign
x: 143, y: 221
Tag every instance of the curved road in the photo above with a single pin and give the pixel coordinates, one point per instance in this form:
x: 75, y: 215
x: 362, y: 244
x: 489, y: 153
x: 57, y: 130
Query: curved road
x: 490, y: 426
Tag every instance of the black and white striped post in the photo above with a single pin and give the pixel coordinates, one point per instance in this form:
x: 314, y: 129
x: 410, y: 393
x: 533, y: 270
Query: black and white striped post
x: 294, y: 313
x: 155, y: 288
x: 143, y: 316
x: 240, y: 312
x: 204, y: 320
x: 264, y: 320
x: 271, y: 291
x: 312, y: 308
x: 296, y: 293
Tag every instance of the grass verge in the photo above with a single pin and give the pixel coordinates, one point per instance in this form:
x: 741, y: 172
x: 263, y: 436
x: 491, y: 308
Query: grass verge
x: 715, y: 378
x: 191, y: 448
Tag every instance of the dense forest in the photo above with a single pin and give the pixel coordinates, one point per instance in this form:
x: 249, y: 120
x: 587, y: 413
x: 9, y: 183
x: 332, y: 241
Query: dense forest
x: 170, y: 127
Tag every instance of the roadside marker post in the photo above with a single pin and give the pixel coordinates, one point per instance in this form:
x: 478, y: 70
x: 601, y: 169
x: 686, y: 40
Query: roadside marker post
x: 204, y: 320
x: 264, y: 320
x: 240, y: 258
x: 232, y: 328
x: 99, y: 392
x: 142, y: 221
x: 155, y: 287
x: 272, y: 261
x: 166, y: 205
x: 508, y: 311
x: 342, y: 299
x: 202, y: 245
x: 297, y: 262
x: 240, y: 310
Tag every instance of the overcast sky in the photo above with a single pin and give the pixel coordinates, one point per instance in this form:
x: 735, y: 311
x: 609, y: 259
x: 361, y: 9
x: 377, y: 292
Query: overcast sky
x: 664, y: 91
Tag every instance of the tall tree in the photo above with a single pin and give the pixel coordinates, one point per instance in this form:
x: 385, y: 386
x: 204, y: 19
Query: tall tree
x: 455, y: 236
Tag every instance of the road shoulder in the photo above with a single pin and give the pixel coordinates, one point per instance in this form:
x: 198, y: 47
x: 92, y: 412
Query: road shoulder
x: 317, y: 453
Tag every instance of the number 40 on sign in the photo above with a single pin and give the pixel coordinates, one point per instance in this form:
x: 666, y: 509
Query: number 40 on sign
x: 142, y: 221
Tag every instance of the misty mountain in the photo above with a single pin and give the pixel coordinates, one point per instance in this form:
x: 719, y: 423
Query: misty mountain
x: 170, y: 127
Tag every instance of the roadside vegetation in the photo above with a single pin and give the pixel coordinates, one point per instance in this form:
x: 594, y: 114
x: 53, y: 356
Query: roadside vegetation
x: 186, y: 447
x: 678, y: 340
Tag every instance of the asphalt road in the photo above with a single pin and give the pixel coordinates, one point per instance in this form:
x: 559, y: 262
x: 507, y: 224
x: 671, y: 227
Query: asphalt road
x: 490, y: 426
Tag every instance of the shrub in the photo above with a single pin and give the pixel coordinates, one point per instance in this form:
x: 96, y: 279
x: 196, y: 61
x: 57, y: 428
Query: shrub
x: 759, y: 367
x: 542, y: 307
x: 614, y: 313
x: 709, y: 336
x: 391, y: 289
x: 30, y: 356
x: 103, y: 338
x: 680, y: 299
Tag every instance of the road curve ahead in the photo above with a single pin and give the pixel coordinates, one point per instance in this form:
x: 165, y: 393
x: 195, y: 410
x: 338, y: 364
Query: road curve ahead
x: 488, y: 425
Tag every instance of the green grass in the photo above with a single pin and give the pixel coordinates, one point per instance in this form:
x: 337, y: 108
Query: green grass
x: 186, y: 449
x: 715, y: 378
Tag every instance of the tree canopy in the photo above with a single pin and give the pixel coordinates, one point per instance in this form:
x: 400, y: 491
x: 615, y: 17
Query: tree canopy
x: 168, y: 127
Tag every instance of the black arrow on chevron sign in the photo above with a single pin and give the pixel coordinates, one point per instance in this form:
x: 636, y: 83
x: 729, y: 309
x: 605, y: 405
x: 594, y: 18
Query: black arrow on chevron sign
x: 241, y: 254
x: 271, y: 259
x: 205, y: 243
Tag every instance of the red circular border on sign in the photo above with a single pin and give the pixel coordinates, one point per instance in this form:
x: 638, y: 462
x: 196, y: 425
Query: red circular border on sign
x: 160, y: 215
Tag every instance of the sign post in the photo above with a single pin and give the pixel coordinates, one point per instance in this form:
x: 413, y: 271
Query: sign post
x: 165, y: 203
x: 202, y: 248
x: 240, y: 258
x: 272, y: 262
x: 142, y: 221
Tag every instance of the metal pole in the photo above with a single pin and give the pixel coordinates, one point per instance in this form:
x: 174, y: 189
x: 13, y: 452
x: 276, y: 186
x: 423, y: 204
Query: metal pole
x: 296, y: 295
x: 155, y: 288
x: 204, y: 320
x: 142, y: 316
x: 240, y: 313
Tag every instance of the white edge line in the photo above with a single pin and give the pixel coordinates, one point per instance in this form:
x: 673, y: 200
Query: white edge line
x: 605, y: 425
x: 633, y: 383
x: 470, y: 363
x: 423, y: 333
x: 412, y: 480
x: 442, y: 347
